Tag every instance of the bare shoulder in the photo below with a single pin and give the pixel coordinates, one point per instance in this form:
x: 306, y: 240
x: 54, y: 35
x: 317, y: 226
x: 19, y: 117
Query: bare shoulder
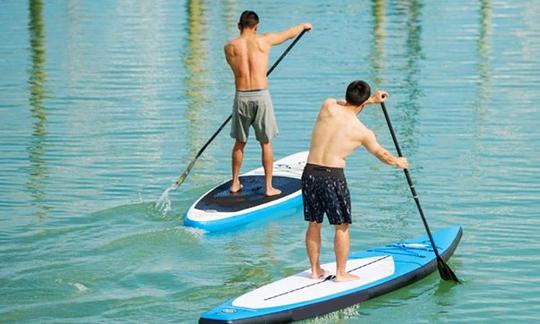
x: 264, y: 40
x: 362, y: 132
x: 267, y: 36
x: 326, y: 105
x: 329, y: 102
x: 229, y: 46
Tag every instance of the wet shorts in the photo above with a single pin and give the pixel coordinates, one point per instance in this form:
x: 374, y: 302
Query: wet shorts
x: 253, y: 107
x: 324, y: 190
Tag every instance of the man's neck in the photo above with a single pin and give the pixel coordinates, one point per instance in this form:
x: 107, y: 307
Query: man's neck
x: 355, y: 109
x: 358, y: 109
x: 248, y: 32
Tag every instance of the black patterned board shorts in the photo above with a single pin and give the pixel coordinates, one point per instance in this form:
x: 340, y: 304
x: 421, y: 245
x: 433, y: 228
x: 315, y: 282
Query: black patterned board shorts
x: 324, y: 190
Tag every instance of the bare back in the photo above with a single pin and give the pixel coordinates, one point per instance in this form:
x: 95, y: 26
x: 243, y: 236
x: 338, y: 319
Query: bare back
x: 248, y: 59
x: 337, y: 133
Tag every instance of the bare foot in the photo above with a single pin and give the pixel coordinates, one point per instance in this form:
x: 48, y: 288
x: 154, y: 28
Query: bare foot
x: 272, y: 192
x: 319, y: 274
x: 236, y: 187
x: 346, y: 277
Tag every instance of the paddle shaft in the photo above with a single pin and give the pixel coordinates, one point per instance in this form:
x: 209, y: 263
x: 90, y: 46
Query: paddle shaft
x: 184, y: 174
x: 409, y: 181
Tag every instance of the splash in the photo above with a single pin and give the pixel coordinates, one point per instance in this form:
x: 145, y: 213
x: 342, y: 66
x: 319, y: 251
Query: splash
x: 164, y: 204
x: 195, y: 232
x: 80, y: 287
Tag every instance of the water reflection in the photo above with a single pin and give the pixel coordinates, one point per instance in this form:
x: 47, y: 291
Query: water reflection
x: 376, y: 55
x: 483, y: 68
x: 484, y: 55
x: 36, y: 81
x: 196, y: 76
x: 413, y: 56
x: 229, y: 15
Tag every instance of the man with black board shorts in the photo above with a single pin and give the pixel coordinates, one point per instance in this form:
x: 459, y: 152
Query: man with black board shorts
x: 247, y: 56
x: 336, y: 134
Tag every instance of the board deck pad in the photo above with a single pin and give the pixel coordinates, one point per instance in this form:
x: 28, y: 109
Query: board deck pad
x: 218, y: 210
x: 301, y: 287
x: 251, y: 195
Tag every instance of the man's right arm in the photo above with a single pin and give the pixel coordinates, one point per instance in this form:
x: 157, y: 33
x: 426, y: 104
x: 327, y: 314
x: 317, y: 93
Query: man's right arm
x: 228, y: 50
x: 280, y: 37
x: 370, y: 143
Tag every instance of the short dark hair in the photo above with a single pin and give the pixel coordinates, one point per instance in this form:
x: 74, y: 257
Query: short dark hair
x: 358, y: 91
x: 248, y: 19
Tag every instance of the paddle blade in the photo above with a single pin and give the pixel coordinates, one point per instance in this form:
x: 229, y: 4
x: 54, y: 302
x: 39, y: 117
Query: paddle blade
x: 445, y: 271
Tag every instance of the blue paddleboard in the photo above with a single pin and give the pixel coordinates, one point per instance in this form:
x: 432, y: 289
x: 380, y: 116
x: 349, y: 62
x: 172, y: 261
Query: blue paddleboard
x: 219, y: 210
x: 381, y: 270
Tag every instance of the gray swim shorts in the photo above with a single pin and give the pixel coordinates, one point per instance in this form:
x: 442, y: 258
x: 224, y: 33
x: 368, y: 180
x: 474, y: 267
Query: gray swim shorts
x: 253, y: 107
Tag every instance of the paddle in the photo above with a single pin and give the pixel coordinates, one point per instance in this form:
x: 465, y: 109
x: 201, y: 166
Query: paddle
x: 444, y: 270
x: 184, y: 174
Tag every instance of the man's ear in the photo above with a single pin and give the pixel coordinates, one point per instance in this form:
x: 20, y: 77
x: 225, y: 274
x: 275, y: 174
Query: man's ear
x: 239, y: 27
x: 365, y: 102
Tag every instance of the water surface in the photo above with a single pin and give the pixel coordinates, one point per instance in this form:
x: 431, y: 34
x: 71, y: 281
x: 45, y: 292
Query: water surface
x: 104, y: 103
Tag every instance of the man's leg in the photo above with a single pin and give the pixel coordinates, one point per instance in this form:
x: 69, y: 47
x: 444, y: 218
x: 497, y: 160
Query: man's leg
x: 313, y: 247
x: 268, y: 165
x: 237, y: 158
x: 341, y: 247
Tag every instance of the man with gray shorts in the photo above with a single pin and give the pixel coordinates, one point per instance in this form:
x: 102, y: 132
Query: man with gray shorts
x: 247, y: 56
x: 253, y: 107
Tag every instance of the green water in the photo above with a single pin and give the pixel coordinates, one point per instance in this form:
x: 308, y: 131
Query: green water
x: 103, y: 103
